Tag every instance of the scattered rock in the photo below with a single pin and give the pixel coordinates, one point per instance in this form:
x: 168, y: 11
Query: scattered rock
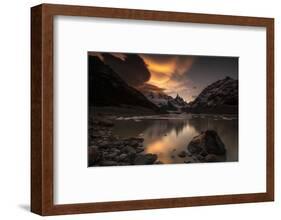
x: 112, y: 155
x: 131, y: 157
x: 139, y: 149
x: 200, y: 158
x: 122, y: 157
x: 212, y: 158
x: 94, y: 155
x: 123, y: 164
x: 108, y: 163
x: 129, y: 149
x: 203, y: 153
x: 103, y: 144
x: 111, y: 150
x: 136, y: 139
x: 117, y: 151
x: 145, y: 159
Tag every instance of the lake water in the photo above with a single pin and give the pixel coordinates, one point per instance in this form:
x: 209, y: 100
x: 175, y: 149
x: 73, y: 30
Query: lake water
x: 167, y: 135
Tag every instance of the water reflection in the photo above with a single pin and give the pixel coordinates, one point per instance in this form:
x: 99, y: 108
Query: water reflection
x: 168, y: 136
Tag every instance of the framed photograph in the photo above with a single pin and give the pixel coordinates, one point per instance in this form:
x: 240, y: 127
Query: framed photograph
x: 138, y: 109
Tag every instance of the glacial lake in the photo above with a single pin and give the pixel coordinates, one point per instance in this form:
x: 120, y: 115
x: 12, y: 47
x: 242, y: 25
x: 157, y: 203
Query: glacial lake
x: 168, y: 135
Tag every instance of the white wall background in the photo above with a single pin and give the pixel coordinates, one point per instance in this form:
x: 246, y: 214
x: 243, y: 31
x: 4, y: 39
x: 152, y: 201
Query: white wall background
x: 15, y: 108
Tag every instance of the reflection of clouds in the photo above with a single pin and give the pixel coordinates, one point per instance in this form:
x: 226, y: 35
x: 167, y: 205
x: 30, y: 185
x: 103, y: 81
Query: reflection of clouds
x: 164, y: 139
x: 180, y: 134
x: 162, y: 148
x: 163, y: 127
x: 161, y: 137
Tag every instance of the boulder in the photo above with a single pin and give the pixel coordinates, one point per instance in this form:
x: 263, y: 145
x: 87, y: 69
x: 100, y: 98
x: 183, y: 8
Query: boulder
x: 208, y: 142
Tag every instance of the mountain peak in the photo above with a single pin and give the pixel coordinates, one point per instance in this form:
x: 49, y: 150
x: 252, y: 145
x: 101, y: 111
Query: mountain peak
x: 164, y: 101
x: 218, y: 97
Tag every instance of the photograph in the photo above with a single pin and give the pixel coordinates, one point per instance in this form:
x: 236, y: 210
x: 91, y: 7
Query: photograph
x: 179, y: 106
x: 146, y: 109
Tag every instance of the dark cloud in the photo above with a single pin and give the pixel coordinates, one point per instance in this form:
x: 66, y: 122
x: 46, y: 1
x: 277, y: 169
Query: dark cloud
x: 150, y: 87
x: 130, y: 67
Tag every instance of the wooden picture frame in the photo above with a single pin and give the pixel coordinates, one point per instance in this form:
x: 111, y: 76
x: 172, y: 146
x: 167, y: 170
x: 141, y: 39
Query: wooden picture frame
x: 42, y: 109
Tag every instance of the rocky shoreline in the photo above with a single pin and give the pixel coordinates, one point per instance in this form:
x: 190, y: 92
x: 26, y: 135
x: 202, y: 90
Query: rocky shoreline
x: 106, y: 149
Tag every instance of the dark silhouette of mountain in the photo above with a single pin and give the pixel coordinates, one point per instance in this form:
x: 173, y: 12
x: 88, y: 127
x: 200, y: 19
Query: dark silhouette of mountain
x: 219, y: 97
x: 107, y: 88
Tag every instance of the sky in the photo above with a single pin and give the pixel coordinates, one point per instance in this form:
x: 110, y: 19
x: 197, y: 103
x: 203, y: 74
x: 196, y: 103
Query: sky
x: 172, y: 74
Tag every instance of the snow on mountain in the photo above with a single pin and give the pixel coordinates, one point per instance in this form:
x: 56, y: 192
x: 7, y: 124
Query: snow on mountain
x: 165, y: 101
x: 219, y: 97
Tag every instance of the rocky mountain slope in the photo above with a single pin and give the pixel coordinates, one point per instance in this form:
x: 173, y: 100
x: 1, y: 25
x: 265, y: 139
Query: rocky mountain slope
x: 219, y: 97
x: 165, y: 101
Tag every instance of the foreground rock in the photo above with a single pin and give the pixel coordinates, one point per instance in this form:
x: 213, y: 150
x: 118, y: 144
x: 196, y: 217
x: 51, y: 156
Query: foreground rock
x: 212, y: 158
x: 207, y: 147
x: 106, y: 149
x: 145, y: 159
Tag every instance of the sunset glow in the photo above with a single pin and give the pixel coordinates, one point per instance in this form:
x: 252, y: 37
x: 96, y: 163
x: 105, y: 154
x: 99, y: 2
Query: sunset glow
x: 146, y: 109
x: 183, y: 75
x: 163, y: 73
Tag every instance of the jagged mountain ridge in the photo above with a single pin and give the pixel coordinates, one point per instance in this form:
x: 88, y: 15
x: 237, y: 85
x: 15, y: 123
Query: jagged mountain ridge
x: 219, y: 97
x: 166, y: 102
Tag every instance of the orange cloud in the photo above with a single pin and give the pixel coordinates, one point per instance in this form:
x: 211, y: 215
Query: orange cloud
x: 158, y: 78
x: 163, y: 69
